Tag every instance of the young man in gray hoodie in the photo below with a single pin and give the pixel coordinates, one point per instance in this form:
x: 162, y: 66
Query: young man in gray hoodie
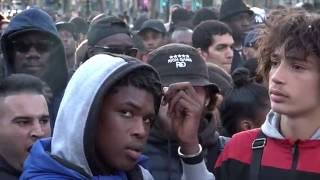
x: 104, y: 121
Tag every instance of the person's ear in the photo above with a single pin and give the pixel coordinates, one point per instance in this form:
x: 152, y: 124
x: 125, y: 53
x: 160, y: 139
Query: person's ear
x: 211, y: 101
x: 246, y: 124
x: 202, y: 53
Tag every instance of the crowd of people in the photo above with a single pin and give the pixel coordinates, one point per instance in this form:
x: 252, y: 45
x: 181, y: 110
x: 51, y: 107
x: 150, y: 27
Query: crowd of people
x: 212, y: 94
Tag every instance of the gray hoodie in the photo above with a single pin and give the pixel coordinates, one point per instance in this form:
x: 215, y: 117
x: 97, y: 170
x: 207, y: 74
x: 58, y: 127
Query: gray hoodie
x: 272, y: 125
x: 73, y: 136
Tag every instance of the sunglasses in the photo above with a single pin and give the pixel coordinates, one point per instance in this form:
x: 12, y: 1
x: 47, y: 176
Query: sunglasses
x: 130, y: 51
x: 242, y: 17
x: 40, y: 46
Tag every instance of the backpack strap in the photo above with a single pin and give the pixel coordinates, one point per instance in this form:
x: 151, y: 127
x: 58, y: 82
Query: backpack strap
x: 257, y: 150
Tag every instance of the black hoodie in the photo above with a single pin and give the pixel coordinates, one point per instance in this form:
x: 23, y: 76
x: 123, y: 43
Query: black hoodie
x: 56, y: 75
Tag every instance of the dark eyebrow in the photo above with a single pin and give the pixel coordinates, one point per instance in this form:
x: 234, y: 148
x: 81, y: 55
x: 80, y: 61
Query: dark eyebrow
x: 296, y: 58
x: 45, y: 116
x: 28, y: 118
x: 130, y: 103
x: 135, y: 106
x: 21, y: 117
x: 222, y: 44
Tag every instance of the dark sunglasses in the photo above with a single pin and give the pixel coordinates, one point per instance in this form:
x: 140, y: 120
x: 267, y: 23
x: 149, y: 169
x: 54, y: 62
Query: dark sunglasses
x: 243, y: 16
x: 40, y: 46
x: 130, y: 51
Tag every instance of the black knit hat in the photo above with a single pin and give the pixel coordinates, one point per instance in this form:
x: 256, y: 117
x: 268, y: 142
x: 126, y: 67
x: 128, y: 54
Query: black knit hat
x: 180, y: 63
x: 80, y: 24
x: 67, y: 27
x: 181, y: 14
x: 105, y: 27
x: 230, y: 8
x: 153, y: 24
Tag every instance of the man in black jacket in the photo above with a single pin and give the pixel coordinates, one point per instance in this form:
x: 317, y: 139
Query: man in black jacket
x: 178, y: 63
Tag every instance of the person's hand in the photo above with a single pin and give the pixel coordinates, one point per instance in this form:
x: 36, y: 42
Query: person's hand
x: 185, y: 110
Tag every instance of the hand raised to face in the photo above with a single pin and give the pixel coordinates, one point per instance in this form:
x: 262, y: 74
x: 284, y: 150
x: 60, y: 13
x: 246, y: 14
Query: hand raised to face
x: 185, y: 108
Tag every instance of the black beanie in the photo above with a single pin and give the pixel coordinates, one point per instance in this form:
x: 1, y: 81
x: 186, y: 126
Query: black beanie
x: 68, y: 27
x: 230, y: 8
x: 80, y: 24
x: 105, y: 27
x: 181, y: 14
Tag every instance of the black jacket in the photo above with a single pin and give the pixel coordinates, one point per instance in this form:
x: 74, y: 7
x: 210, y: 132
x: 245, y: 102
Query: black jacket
x: 164, y: 163
x: 238, y: 59
x: 7, y: 172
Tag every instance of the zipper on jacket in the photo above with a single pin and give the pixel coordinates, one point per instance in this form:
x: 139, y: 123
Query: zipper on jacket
x: 295, y: 155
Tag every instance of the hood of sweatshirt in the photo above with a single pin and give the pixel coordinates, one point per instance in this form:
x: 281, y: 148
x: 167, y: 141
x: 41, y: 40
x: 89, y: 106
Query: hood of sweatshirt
x: 76, y: 123
x: 34, y: 19
x: 271, y: 127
